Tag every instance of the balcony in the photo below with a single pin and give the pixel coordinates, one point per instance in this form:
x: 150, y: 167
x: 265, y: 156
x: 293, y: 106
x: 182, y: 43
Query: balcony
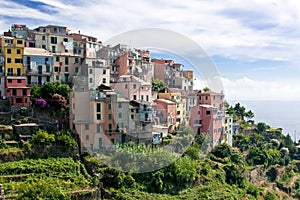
x: 147, y: 120
x: 197, y: 125
x: 37, y: 72
x: 112, y: 131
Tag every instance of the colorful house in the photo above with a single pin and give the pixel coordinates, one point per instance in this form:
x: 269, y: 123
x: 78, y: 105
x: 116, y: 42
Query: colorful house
x: 38, y: 64
x: 206, y: 119
x: 17, y: 91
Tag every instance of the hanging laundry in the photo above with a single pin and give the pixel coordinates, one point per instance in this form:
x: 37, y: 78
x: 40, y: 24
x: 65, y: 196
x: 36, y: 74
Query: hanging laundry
x: 68, y: 45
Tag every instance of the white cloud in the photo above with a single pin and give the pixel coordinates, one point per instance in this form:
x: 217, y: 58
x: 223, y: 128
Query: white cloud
x: 244, y: 30
x: 249, y: 89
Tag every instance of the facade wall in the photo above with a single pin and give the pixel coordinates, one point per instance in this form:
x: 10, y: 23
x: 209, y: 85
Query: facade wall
x: 17, y: 92
x: 159, y: 69
x: 132, y: 88
x: 166, y: 112
x: 38, y: 69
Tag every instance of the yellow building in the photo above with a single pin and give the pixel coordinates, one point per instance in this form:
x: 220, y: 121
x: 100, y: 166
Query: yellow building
x: 180, y: 105
x: 13, y: 49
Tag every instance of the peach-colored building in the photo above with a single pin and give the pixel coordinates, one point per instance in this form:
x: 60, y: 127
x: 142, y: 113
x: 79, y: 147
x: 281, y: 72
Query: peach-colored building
x: 160, y: 71
x: 133, y: 88
x: 166, y: 112
x: 206, y: 119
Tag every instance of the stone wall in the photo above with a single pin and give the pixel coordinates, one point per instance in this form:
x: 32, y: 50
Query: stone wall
x: 1, y: 192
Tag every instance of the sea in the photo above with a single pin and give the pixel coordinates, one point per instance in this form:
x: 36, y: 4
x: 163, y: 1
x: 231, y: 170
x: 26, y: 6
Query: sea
x: 277, y: 114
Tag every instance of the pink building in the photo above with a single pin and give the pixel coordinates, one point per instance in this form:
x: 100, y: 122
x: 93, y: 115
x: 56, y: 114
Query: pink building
x: 133, y: 88
x: 17, y: 92
x: 206, y: 119
x: 211, y: 98
x: 166, y: 112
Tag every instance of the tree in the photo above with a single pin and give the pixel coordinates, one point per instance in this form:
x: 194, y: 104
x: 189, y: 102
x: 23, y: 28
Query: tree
x: 234, y: 175
x: 64, y: 90
x: 262, y: 127
x: 206, y: 89
x: 249, y: 115
x: 159, y: 85
x: 222, y: 151
x: 239, y: 111
x: 35, y: 92
x: 48, y: 90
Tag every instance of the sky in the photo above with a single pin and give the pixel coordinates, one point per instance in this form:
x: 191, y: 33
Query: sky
x: 253, y: 44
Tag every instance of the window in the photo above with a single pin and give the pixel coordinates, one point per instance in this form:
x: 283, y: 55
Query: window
x: 18, y: 51
x: 98, y: 116
x: 56, y: 69
x: 57, y: 59
x: 66, y: 69
x: 208, y: 112
x: 120, y: 105
x: 53, y: 49
x: 9, y: 80
x: 178, y: 120
x: 109, y: 106
x: 104, y: 71
x: 91, y: 71
x: 18, y: 100
x: 19, y: 81
x: 87, y: 127
x: 134, y: 86
x: 76, y: 69
x: 98, y: 128
x: 109, y: 116
x: 8, y: 51
x: 66, y: 60
x: 142, y: 97
x: 206, y: 97
x: 178, y: 112
x: 43, y: 37
x: 147, y: 97
x: 53, y: 40
x: 199, y: 112
x: 76, y: 60
x: 91, y: 80
x: 112, y: 140
x: 98, y: 107
x: 100, y: 143
x: 44, y: 46
x: 8, y: 60
x: 134, y: 97
x: 57, y: 77
x: 125, y: 86
x: 19, y: 41
x: 48, y: 69
x: 132, y: 116
x: 18, y: 60
x: 104, y: 80
x: 66, y: 40
x: 10, y: 71
x: 87, y: 137
x: 120, y: 115
x: 14, y: 92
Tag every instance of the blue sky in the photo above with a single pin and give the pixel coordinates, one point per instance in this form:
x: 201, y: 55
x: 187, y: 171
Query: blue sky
x: 253, y: 44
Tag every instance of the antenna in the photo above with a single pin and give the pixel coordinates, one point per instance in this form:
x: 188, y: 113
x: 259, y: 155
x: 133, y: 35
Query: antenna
x: 295, y: 137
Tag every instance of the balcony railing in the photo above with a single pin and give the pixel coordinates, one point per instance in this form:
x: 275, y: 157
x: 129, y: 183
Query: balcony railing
x: 113, y: 131
x: 37, y: 72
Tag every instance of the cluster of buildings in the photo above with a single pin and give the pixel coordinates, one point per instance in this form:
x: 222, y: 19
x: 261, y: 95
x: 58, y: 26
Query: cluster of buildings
x: 112, y: 100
